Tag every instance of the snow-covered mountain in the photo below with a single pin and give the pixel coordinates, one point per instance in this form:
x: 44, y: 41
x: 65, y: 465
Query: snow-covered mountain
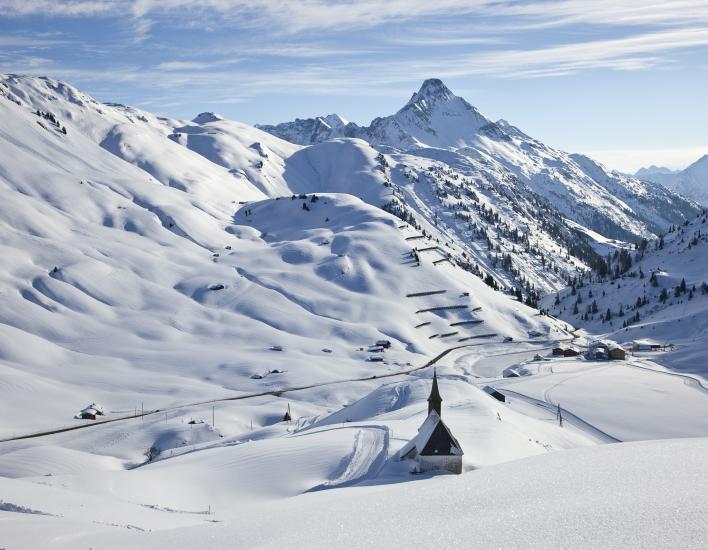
x: 653, y: 170
x: 435, y: 120
x: 692, y: 182
x: 221, y: 162
x: 433, y: 117
x: 214, y: 277
x: 312, y: 130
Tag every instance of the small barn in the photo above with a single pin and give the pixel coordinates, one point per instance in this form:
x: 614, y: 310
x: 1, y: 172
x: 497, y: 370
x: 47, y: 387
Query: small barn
x: 617, y: 353
x: 434, y: 447
x: 489, y: 390
x: 646, y: 345
x: 607, y: 349
x: 91, y: 412
x: 568, y: 351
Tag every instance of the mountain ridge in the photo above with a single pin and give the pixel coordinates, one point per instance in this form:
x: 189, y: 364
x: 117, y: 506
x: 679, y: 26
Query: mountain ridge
x: 691, y: 182
x: 613, y: 204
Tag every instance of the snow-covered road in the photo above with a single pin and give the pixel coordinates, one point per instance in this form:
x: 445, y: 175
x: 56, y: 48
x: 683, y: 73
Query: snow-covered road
x: 544, y: 346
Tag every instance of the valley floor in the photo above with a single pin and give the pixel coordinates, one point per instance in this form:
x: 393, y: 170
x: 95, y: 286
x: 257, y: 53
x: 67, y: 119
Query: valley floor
x: 333, y: 479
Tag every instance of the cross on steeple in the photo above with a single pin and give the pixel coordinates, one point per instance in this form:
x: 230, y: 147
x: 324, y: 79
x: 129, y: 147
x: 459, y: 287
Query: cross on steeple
x: 435, y: 401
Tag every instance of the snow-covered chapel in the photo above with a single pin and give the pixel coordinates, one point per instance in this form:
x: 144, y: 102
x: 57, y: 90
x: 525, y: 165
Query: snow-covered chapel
x: 434, y: 447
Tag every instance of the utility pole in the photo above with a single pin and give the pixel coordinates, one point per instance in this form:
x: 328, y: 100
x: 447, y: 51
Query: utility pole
x: 213, y: 425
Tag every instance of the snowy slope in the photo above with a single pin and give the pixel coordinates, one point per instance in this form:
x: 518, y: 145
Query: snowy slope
x: 680, y: 319
x: 211, y: 157
x: 522, y: 504
x: 141, y: 290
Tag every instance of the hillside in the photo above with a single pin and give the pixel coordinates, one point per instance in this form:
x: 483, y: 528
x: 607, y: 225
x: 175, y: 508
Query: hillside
x: 520, y: 504
x: 487, y: 210
x: 662, y: 295
x: 122, y: 273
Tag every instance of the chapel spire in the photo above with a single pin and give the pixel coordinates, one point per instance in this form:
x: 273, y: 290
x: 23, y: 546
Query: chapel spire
x: 435, y: 401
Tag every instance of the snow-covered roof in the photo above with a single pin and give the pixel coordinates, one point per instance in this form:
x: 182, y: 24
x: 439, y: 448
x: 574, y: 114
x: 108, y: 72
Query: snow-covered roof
x: 433, y: 426
x: 646, y: 342
x: 609, y: 344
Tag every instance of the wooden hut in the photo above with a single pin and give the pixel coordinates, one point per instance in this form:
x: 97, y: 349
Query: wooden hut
x: 91, y: 412
x: 617, y: 353
x: 607, y: 349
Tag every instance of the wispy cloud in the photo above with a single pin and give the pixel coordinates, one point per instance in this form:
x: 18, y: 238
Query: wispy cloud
x: 628, y: 53
x: 300, y: 15
x: 177, y: 66
x: 218, y: 77
x: 30, y: 41
x: 70, y: 8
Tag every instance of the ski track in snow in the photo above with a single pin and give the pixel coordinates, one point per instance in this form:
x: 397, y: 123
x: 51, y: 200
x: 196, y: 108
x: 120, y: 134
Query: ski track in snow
x: 690, y: 381
x: 370, y: 452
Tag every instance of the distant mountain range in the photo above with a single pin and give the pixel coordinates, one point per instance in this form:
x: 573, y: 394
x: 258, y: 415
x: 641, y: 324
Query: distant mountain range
x: 691, y: 182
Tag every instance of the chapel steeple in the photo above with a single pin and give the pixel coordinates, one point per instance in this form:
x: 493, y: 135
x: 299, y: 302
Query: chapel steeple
x: 435, y: 401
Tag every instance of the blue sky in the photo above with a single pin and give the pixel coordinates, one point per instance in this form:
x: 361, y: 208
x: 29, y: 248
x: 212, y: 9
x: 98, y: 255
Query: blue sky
x: 624, y: 81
